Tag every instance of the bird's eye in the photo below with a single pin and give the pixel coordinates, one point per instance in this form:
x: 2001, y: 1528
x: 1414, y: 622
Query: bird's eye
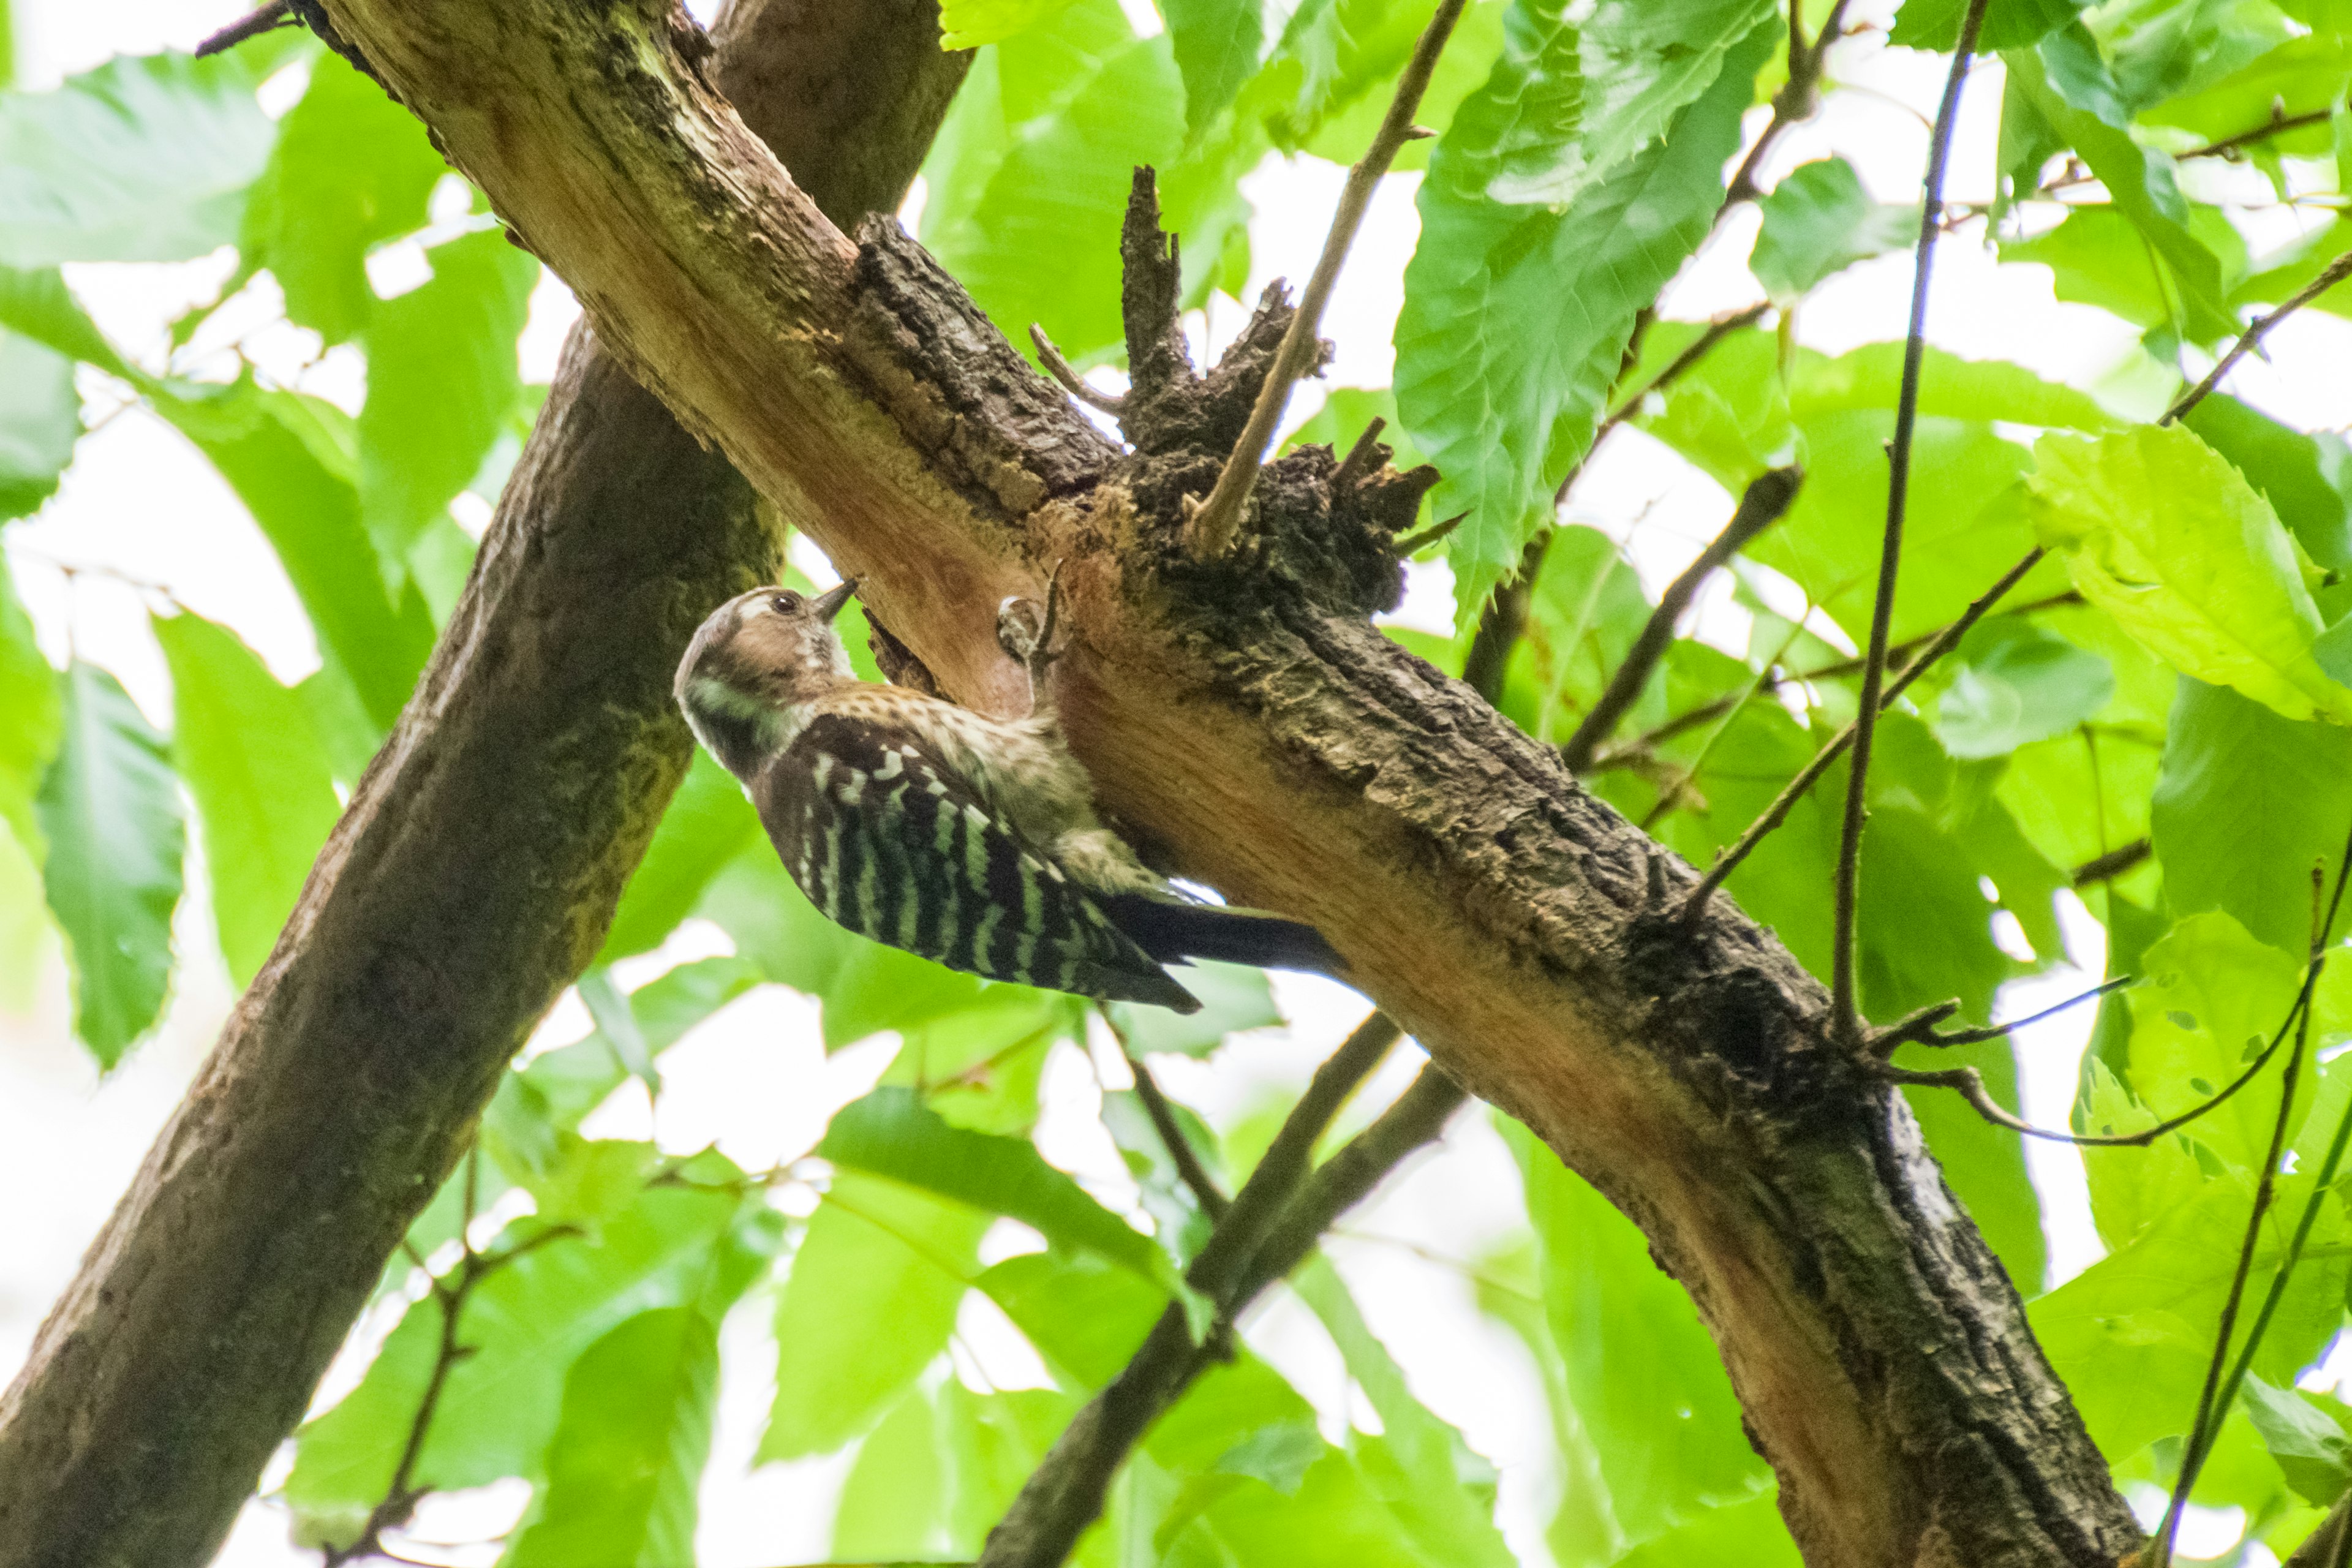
x: 786, y: 603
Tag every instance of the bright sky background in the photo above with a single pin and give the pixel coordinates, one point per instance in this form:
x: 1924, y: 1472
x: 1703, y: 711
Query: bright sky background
x: 142, y: 504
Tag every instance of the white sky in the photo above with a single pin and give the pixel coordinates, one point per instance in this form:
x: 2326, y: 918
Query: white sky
x: 141, y: 503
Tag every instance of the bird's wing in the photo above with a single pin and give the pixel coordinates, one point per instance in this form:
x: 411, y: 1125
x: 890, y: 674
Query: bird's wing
x: 889, y: 841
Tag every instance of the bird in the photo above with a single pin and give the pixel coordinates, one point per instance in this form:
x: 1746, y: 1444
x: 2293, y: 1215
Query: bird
x: 968, y: 840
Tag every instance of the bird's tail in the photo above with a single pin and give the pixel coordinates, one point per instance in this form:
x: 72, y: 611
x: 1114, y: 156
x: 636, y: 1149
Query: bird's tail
x: 1171, y: 929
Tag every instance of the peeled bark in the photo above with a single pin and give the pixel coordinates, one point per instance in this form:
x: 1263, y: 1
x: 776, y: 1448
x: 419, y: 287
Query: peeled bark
x: 470, y: 880
x: 1510, y: 921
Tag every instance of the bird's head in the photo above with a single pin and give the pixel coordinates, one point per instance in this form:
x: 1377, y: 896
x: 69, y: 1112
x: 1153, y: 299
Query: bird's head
x: 759, y: 656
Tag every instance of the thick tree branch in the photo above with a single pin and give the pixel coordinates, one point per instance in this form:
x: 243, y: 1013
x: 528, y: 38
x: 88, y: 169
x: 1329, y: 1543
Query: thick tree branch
x: 470, y: 879
x: 1518, y: 928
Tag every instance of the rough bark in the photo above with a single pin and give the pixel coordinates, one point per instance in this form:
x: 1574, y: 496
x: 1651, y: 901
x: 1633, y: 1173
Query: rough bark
x: 1510, y: 921
x: 472, y: 879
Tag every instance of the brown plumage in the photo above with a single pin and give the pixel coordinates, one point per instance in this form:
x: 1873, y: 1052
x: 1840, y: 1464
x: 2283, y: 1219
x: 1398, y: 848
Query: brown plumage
x: 970, y: 840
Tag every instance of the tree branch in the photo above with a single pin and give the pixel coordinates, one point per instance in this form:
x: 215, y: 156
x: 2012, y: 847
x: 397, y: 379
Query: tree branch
x: 1845, y: 1000
x: 2278, y: 123
x: 2334, y: 273
x: 470, y: 879
x: 1219, y: 518
x: 1766, y: 501
x: 1066, y: 1493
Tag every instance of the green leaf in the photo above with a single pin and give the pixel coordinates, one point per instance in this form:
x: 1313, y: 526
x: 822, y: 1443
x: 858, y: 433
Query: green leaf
x: 2067, y: 82
x: 708, y: 824
x: 264, y: 795
x: 690, y: 1245
x: 1086, y: 1317
x: 2305, y: 477
x: 147, y: 158
x: 32, y: 720
x: 351, y: 169
x: 968, y: 23
x: 893, y: 1504
x: 980, y: 1066
x: 24, y: 928
x: 2008, y: 23
x: 2300, y: 76
x: 629, y: 1448
x: 40, y: 420
x: 870, y: 1301
x: 442, y: 381
x: 1515, y: 316
x: 891, y: 1133
x: 2015, y: 683
x: 111, y: 811
x: 2304, y: 1437
x: 2209, y: 1000
x: 2247, y: 802
x: 1216, y: 43
x: 287, y: 458
x: 1950, y: 387
x: 1751, y: 1533
x: 38, y: 305
x: 1818, y: 221
x: 1586, y: 609
x: 1332, y: 75
x: 2168, y: 538
x: 2096, y: 257
x: 1646, y: 1381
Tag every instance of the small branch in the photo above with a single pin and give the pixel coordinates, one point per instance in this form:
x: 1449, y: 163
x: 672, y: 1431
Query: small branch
x: 1794, y: 790
x: 252, y: 25
x: 1359, y: 458
x: 2278, y: 123
x: 1766, y: 501
x: 1218, y: 518
x: 1195, y: 1176
x: 1846, y: 1019
x: 2220, y: 1393
x: 1920, y: 1027
x: 1072, y: 381
x: 1066, y: 1493
x: 2334, y: 273
x: 2106, y: 867
x: 1413, y: 544
x: 1796, y: 101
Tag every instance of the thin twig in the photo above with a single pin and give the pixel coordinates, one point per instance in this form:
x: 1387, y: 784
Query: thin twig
x: 1064, y: 1494
x: 1920, y: 1028
x: 1414, y: 543
x: 1631, y: 753
x: 1765, y: 503
x: 252, y: 25
x: 2278, y: 123
x: 1218, y: 519
x: 2330, y: 275
x: 2106, y: 867
x: 1195, y: 1176
x: 1794, y: 790
x: 2219, y: 1394
x: 1847, y: 1010
x: 1796, y: 100
x: 1672, y: 792
x: 1072, y: 381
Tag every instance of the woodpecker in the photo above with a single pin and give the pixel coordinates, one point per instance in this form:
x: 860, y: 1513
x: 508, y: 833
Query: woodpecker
x: 971, y: 841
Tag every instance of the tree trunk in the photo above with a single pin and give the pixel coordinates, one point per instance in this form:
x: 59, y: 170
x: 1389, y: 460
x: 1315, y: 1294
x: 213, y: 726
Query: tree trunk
x: 470, y: 880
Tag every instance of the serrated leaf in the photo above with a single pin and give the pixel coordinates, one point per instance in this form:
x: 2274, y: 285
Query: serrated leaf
x: 2210, y: 998
x: 265, y: 797
x: 351, y: 170
x: 876, y: 1253
x: 40, y: 420
x: 1818, y: 221
x: 2162, y: 533
x: 1217, y: 44
x: 147, y: 158
x: 891, y: 1133
x: 2008, y: 23
x: 32, y: 720
x: 2245, y: 803
x: 2305, y: 477
x: 442, y: 382
x: 690, y: 1245
x: 629, y: 1448
x: 111, y: 811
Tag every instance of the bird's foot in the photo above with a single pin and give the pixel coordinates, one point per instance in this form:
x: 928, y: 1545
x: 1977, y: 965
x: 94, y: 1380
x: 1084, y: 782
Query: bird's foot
x: 1026, y: 632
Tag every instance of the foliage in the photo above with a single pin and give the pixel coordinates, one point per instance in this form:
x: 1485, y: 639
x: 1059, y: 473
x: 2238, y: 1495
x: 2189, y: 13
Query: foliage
x: 2177, y: 672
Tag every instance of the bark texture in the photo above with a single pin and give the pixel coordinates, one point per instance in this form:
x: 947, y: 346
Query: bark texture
x: 470, y: 880
x: 1510, y: 921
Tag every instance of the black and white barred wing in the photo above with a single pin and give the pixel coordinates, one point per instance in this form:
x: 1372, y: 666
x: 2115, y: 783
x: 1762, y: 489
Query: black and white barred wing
x: 890, y: 842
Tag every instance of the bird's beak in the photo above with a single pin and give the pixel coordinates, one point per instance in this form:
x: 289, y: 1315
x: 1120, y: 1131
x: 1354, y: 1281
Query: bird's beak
x: 828, y: 603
